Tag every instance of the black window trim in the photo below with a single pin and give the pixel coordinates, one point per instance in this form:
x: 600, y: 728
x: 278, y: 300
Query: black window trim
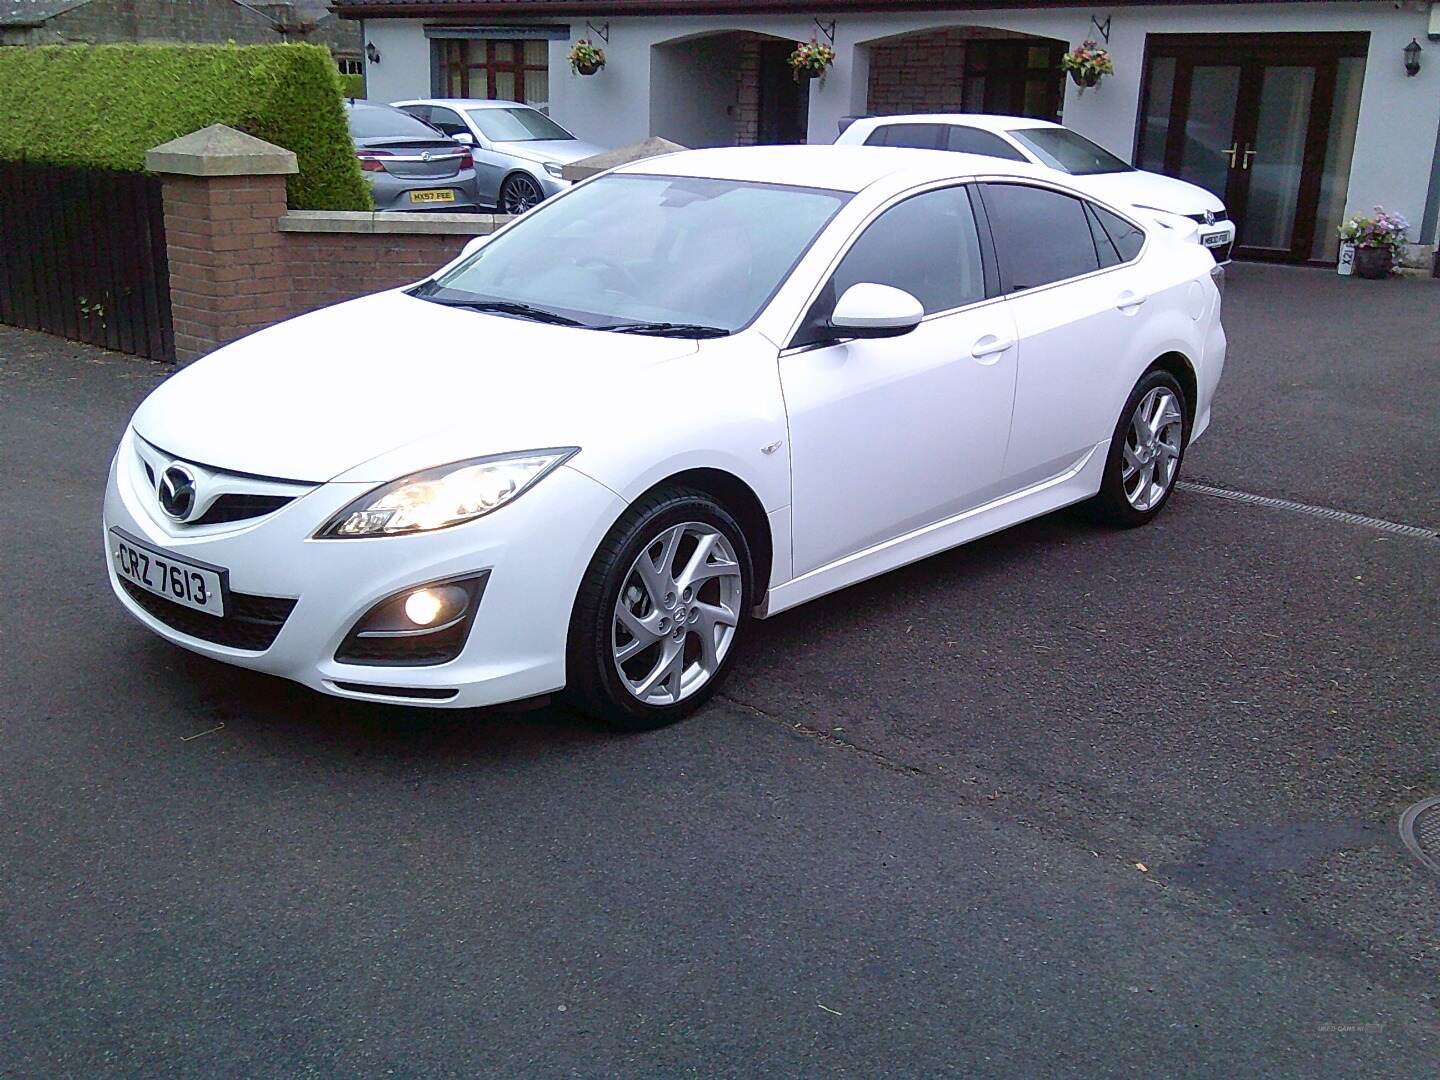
x: 1025, y: 181
x: 989, y: 267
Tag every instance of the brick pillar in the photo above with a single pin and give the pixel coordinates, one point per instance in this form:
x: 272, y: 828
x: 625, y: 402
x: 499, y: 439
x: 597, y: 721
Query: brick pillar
x: 224, y: 196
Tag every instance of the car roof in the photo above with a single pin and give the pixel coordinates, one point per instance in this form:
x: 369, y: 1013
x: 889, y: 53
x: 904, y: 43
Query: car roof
x: 984, y: 121
x: 466, y: 103
x: 839, y: 168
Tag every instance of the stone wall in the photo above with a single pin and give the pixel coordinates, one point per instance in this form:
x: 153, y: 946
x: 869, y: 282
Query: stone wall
x: 195, y: 22
x: 747, y: 94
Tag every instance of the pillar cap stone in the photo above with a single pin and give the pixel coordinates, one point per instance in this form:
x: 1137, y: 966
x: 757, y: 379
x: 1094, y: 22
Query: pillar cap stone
x: 220, y: 151
x: 590, y: 166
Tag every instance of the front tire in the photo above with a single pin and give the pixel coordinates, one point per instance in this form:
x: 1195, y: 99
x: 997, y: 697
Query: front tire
x: 660, y: 611
x: 1145, y: 452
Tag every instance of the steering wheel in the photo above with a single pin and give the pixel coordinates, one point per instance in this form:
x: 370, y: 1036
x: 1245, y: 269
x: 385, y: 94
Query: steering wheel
x: 615, y: 268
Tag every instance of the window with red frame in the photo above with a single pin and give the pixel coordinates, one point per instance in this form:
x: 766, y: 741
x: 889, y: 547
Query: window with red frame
x: 500, y: 70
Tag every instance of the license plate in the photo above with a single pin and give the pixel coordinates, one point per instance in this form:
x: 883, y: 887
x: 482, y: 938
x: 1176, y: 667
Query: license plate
x: 1215, y: 239
x: 432, y: 196
x: 182, y: 581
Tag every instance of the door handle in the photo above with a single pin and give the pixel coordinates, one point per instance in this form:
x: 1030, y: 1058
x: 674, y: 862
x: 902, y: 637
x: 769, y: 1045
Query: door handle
x: 988, y: 349
x: 1234, y: 149
x: 1129, y: 302
x: 1248, y: 155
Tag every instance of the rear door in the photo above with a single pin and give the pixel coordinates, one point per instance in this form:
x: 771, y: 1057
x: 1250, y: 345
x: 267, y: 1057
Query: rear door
x: 1074, y: 291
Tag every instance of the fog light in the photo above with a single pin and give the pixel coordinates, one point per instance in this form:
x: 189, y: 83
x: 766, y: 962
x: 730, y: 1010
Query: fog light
x: 423, y: 607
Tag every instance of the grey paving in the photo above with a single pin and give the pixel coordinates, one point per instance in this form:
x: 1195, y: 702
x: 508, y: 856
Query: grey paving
x: 907, y: 842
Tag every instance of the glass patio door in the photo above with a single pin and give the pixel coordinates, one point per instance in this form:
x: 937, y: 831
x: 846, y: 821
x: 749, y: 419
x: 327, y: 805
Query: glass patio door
x: 1266, y: 123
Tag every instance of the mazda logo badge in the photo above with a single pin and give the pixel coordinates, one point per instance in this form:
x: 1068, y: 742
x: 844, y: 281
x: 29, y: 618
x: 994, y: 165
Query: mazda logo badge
x: 1209, y: 217
x: 425, y: 156
x: 176, y: 492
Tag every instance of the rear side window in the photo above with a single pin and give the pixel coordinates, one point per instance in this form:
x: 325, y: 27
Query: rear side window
x: 1104, y: 246
x: 1040, y: 235
x: 968, y: 140
x: 915, y: 136
x: 1127, y: 238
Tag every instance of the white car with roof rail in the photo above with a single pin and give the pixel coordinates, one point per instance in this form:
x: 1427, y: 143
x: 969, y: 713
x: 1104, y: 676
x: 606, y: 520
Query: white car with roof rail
x: 692, y: 391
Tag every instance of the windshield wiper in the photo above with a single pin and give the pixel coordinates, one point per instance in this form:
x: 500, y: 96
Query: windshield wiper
x: 504, y: 307
x: 668, y: 329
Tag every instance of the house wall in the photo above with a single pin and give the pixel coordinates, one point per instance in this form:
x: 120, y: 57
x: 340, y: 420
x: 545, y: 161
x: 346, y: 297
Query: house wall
x: 1399, y: 116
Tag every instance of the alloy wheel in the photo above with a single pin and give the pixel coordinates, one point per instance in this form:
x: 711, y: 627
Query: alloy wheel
x: 520, y: 195
x: 674, y: 620
x: 1152, y: 448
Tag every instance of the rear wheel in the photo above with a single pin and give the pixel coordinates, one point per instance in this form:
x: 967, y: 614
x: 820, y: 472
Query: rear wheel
x: 1145, y: 452
x: 520, y: 193
x: 660, y: 611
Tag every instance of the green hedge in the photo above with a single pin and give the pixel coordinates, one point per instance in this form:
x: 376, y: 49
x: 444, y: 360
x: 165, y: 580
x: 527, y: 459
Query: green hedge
x: 105, y: 105
x: 353, y: 85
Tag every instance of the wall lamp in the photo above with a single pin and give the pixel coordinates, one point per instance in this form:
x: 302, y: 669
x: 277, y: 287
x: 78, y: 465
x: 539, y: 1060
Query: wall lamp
x: 1412, y: 58
x: 373, y: 54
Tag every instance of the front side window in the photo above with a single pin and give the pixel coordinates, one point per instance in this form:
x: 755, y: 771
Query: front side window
x: 646, y: 253
x: 1040, y: 235
x: 448, y: 121
x: 517, y: 125
x: 926, y: 245
x: 1069, y: 152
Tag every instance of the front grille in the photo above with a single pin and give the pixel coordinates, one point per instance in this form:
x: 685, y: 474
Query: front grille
x: 252, y: 624
x: 239, y: 507
x: 1220, y: 217
x: 1221, y: 253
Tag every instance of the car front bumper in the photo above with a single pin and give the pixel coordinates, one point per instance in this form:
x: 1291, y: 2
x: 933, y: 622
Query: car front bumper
x: 535, y: 552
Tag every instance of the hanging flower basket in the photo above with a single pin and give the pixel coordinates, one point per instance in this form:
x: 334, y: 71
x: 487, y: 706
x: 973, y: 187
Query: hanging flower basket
x: 810, y: 59
x: 585, y: 58
x: 1087, y: 64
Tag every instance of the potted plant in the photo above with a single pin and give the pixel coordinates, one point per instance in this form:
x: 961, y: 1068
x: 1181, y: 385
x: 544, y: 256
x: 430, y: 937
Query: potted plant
x: 1087, y: 64
x: 810, y: 59
x: 585, y: 58
x: 1379, y: 242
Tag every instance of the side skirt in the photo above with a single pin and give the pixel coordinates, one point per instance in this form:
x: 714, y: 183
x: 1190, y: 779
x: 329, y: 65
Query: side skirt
x: 1075, y: 484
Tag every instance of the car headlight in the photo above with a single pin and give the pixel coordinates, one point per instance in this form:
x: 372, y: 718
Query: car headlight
x: 444, y: 496
x: 554, y: 169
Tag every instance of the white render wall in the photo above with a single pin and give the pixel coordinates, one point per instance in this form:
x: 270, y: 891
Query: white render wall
x: 1394, y: 145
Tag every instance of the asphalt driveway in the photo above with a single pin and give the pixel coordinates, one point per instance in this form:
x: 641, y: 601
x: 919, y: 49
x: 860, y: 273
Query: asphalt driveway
x: 1064, y: 802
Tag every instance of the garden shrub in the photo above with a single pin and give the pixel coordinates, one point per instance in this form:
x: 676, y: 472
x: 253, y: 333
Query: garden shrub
x: 105, y: 105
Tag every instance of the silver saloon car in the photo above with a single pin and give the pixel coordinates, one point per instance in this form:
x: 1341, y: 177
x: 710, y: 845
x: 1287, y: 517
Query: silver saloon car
x: 518, y: 150
x: 410, y: 165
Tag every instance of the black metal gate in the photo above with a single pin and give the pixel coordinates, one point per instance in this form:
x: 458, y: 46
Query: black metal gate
x: 82, y: 256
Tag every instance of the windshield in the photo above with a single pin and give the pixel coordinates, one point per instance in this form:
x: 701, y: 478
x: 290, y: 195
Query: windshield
x: 1063, y: 149
x: 372, y: 123
x: 634, y: 249
x: 516, y: 125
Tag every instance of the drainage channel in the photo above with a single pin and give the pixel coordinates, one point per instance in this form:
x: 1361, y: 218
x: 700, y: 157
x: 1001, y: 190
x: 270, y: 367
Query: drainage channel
x: 1324, y: 512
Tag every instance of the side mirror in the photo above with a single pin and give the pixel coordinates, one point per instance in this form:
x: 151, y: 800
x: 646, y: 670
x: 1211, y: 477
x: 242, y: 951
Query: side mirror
x: 475, y: 245
x: 867, y: 310
x: 464, y: 138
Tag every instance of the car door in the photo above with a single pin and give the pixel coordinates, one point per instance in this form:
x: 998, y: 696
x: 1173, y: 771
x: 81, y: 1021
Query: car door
x: 452, y: 123
x: 1073, y: 291
x: 889, y: 435
x: 491, y: 165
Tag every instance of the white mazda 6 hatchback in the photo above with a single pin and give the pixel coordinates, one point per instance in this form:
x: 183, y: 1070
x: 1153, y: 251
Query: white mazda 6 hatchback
x: 698, y: 389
